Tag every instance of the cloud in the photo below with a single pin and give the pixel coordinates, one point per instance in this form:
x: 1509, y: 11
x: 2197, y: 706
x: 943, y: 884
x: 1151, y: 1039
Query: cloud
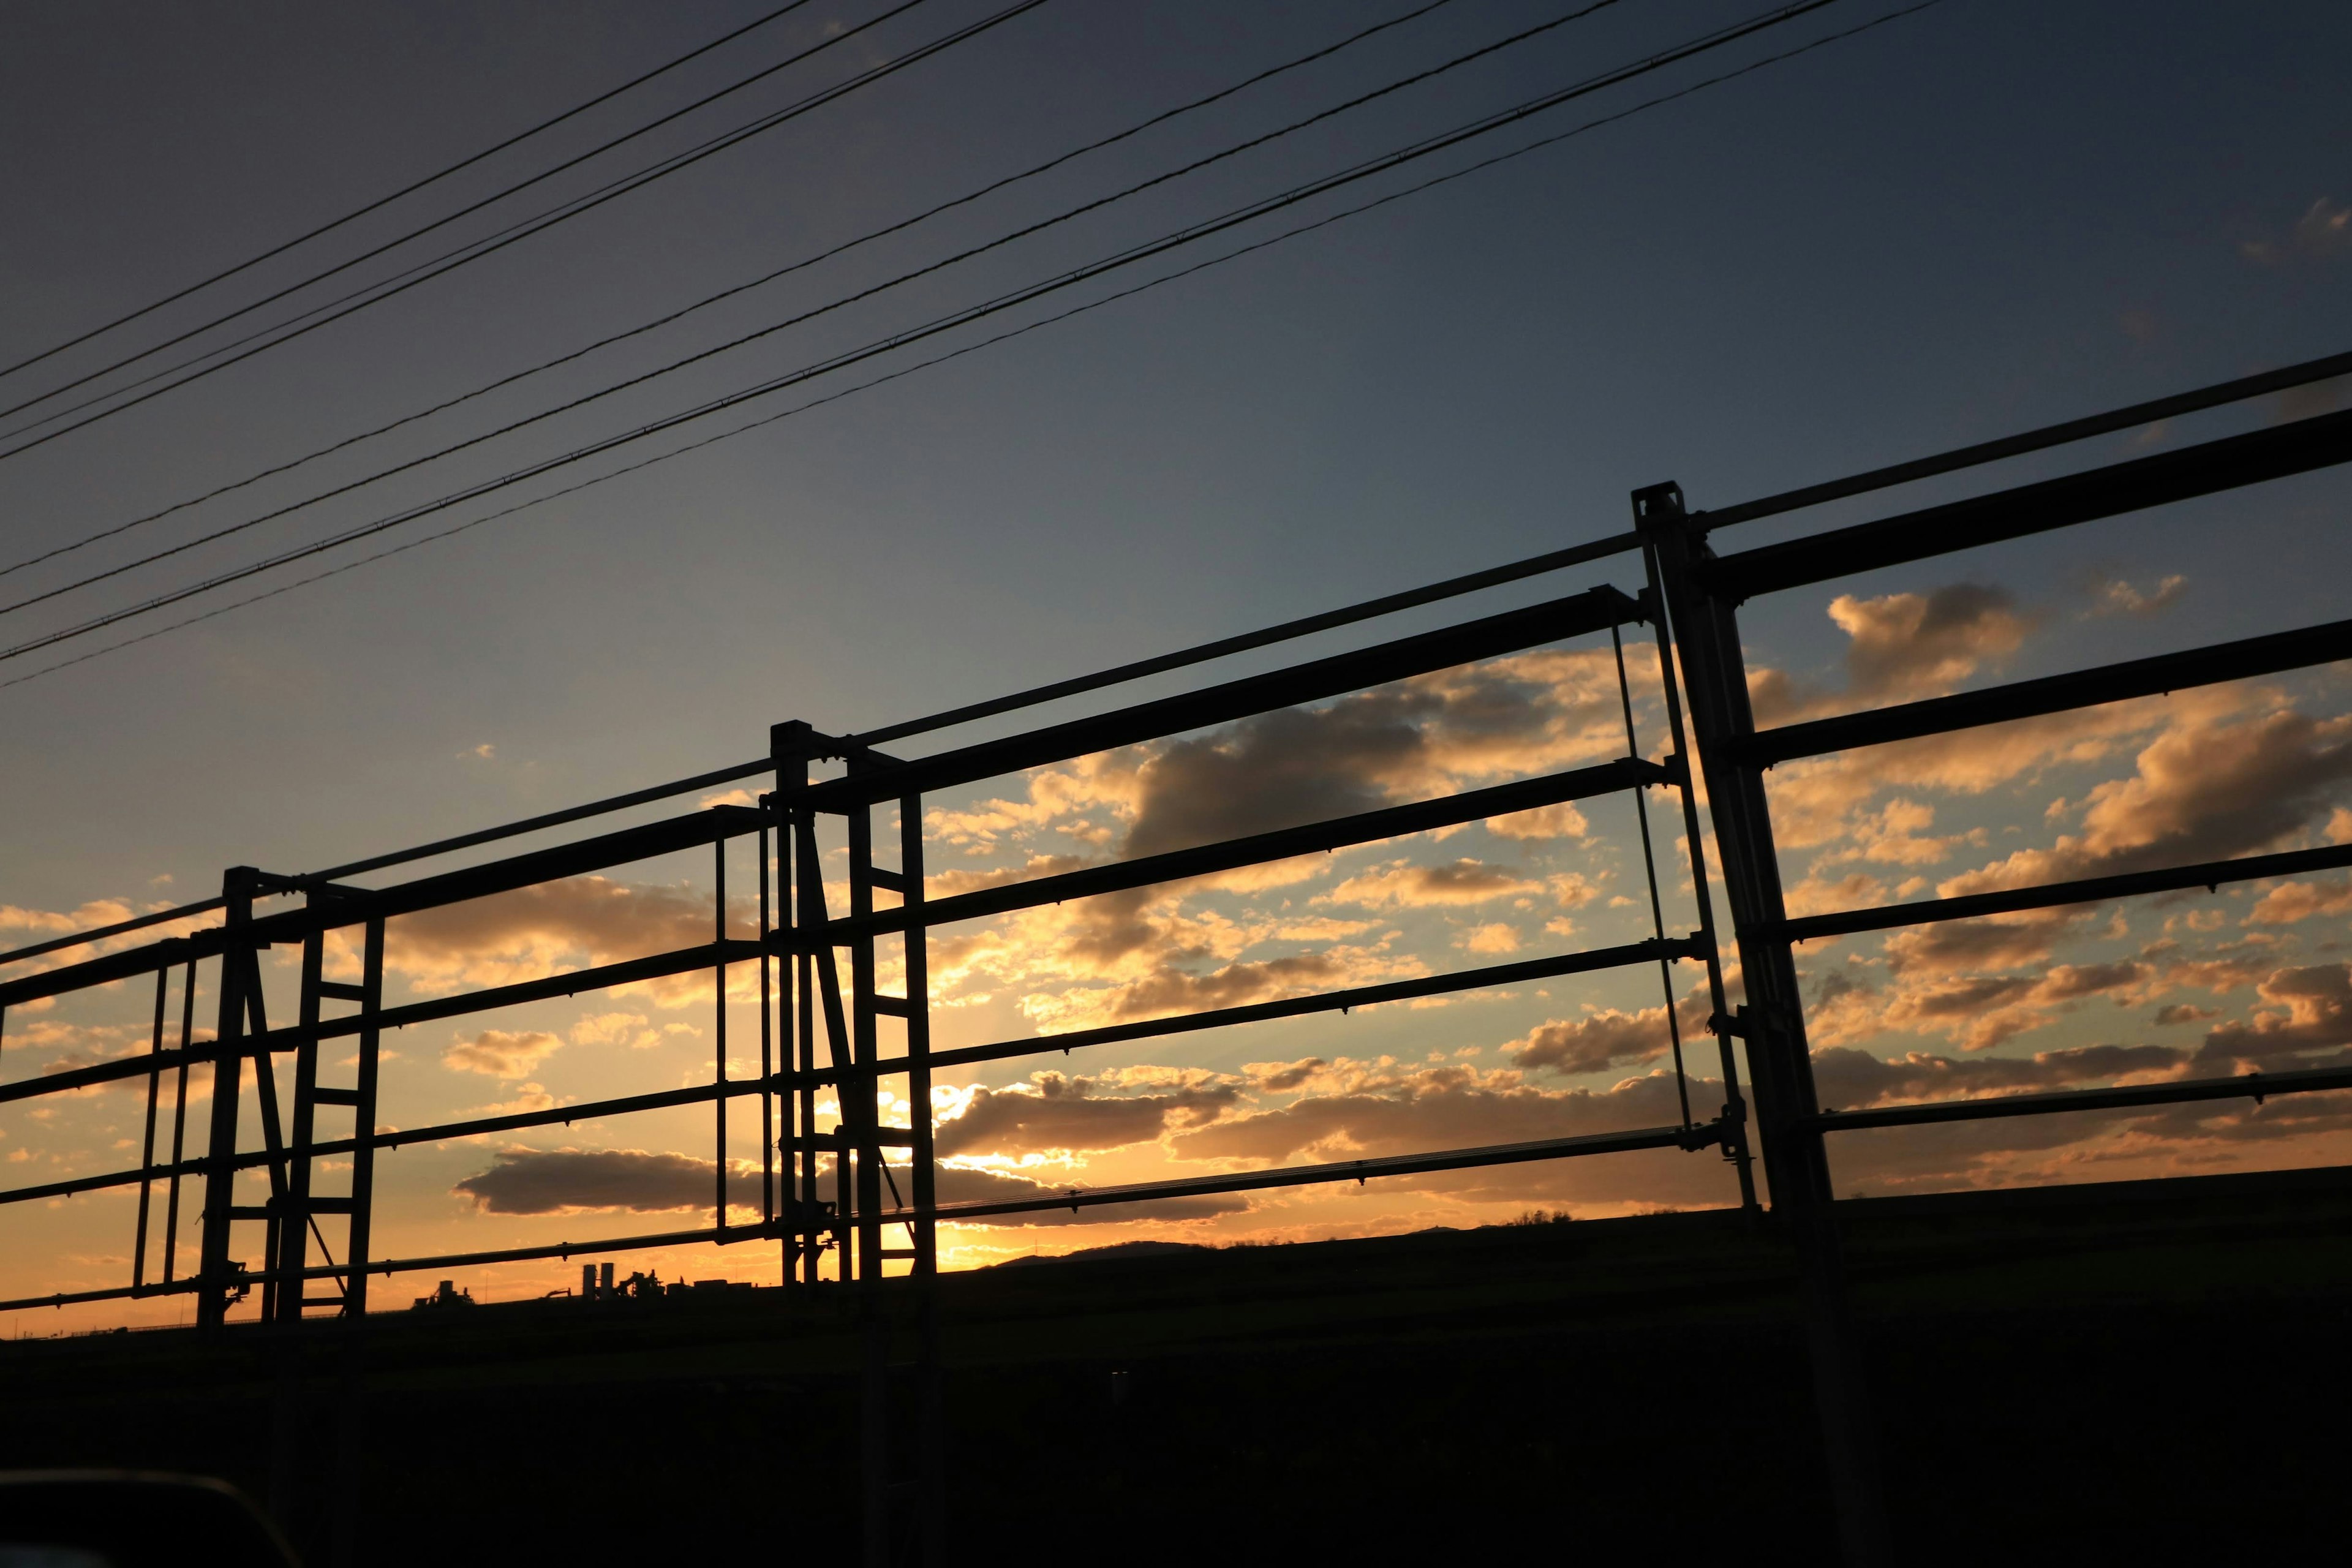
x: 2291, y: 902
x: 2310, y: 1010
x: 2121, y: 598
x: 1908, y: 644
x: 1595, y: 1043
x: 495, y: 1053
x: 1561, y: 820
x: 1457, y: 882
x: 1851, y: 1079
x: 2206, y: 789
x: 572, y: 1181
x: 1055, y: 1114
x: 1493, y: 938
x: 551, y: 927
x: 615, y: 1029
x: 2324, y: 231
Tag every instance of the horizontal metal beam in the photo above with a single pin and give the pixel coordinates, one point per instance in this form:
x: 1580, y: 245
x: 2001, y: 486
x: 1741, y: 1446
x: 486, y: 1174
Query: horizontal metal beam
x: 549, y: 819
x: 2167, y: 476
x: 1231, y: 854
x: 1595, y: 610
x: 2126, y: 418
x: 2239, y: 660
x: 628, y: 972
x: 1224, y: 647
x: 1074, y: 1198
x: 600, y: 853
x: 121, y: 928
x: 1298, y: 1006
x: 2244, y: 1086
x: 2210, y: 875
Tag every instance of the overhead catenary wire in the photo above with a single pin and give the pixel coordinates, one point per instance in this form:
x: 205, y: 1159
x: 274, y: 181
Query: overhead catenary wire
x: 836, y: 303
x: 662, y: 168
x: 662, y: 320
x: 410, y: 189
x: 1540, y: 563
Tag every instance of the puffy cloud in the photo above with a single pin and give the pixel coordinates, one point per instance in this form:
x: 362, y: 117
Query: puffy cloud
x: 2121, y: 598
x: 2310, y: 1009
x: 1560, y: 820
x: 2205, y: 789
x: 1907, y: 644
x: 1463, y: 881
x: 1848, y: 1080
x: 2291, y: 902
x: 615, y: 1029
x: 1493, y: 938
x: 1055, y: 1114
x: 1978, y: 1011
x: 495, y: 1053
x: 569, y: 1180
x: 1594, y: 1043
x: 546, y: 928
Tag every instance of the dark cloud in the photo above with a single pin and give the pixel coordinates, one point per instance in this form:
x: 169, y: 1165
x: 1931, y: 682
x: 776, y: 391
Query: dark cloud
x: 1850, y: 1080
x: 1053, y: 1112
x: 1908, y: 643
x: 1281, y: 1078
x: 562, y: 1181
x: 2311, y: 1011
x: 2003, y: 943
x: 1594, y: 1043
x: 1234, y: 986
x: 2204, y: 790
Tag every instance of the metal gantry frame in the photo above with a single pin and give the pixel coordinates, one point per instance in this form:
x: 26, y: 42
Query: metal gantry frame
x: 835, y: 1191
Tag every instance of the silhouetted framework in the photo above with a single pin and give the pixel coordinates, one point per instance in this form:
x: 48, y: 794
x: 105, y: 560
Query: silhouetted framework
x: 1704, y: 590
x: 846, y: 1202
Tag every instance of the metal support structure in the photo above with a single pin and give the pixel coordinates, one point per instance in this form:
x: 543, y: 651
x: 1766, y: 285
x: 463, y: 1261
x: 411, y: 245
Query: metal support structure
x: 215, y: 1268
x: 1714, y: 680
x: 833, y: 1189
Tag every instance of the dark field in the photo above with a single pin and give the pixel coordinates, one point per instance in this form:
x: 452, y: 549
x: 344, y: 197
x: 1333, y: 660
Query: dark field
x: 2130, y: 1374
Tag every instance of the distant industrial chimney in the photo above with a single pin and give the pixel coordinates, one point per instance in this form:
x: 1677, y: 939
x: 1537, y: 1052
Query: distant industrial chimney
x: 587, y: 1282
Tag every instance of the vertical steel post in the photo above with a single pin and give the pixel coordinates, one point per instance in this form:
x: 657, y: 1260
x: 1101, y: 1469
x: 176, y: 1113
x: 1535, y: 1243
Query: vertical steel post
x: 718, y: 1021
x: 294, y: 1232
x: 147, y: 1146
x: 216, y: 1269
x: 861, y: 1094
x: 1734, y: 1119
x: 179, y: 1121
x: 1796, y: 1164
x: 930, y: 1430
x: 364, y: 1128
x: 767, y: 1059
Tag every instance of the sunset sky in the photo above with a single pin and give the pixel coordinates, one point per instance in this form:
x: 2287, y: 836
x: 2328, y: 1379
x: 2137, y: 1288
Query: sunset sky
x: 1974, y: 220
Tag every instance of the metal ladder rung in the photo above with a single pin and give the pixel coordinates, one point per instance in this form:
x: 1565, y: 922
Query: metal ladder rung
x: 323, y: 1096
x: 888, y: 882
x: 342, y: 991
x: 897, y: 1006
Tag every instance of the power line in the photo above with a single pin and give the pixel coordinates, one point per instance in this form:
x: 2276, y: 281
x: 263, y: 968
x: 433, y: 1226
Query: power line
x: 723, y: 294
x: 305, y: 321
x: 1483, y: 126
x: 1482, y: 164
x: 837, y: 303
x: 443, y: 222
x: 411, y: 189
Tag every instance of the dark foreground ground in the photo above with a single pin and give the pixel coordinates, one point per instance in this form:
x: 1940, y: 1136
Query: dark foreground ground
x: 2119, y: 1374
